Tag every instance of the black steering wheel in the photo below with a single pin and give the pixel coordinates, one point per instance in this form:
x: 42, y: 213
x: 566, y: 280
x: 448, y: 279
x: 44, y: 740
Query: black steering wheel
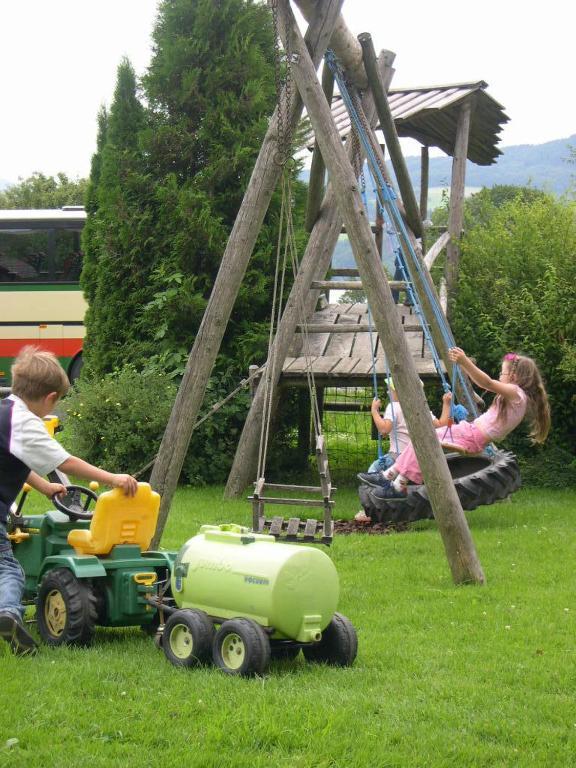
x: 71, y: 502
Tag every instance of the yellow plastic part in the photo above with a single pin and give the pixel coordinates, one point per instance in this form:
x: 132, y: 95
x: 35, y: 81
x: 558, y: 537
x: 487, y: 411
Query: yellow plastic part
x: 51, y: 423
x: 147, y: 578
x: 94, y: 485
x: 119, y: 519
x: 18, y: 536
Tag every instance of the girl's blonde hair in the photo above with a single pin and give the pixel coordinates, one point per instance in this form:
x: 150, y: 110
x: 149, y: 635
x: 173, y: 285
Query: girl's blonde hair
x: 525, y: 373
x: 36, y: 373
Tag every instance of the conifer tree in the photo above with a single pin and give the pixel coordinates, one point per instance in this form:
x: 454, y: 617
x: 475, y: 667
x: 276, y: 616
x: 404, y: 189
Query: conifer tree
x: 114, y: 276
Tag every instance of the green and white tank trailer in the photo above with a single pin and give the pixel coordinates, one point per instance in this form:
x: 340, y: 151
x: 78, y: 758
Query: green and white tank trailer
x: 242, y: 598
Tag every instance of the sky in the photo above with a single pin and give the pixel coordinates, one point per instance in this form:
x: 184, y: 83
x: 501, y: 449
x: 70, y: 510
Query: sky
x: 59, y: 58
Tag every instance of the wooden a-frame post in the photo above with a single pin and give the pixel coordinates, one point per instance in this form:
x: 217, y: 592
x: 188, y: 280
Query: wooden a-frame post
x: 458, y: 543
x: 263, y: 181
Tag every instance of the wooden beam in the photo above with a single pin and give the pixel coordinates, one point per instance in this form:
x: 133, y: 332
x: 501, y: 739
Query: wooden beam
x: 318, y: 168
x: 436, y: 249
x: 390, y: 135
x: 458, y: 543
x: 424, y: 182
x: 457, y: 194
x: 351, y: 285
x: 263, y: 181
x: 342, y: 42
x: 349, y: 328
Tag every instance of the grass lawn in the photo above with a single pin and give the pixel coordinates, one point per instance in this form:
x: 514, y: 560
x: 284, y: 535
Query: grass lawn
x: 445, y: 676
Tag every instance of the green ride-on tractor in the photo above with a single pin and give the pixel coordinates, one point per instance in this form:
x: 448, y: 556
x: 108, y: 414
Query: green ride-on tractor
x: 86, y: 567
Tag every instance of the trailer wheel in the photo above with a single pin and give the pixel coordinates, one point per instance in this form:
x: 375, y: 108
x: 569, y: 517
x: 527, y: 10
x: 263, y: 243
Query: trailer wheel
x: 187, y: 638
x: 338, y: 646
x: 65, y: 609
x: 241, y: 647
x: 282, y: 651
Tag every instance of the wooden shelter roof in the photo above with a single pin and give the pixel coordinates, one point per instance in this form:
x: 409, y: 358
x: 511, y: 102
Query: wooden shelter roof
x: 430, y: 115
x: 345, y: 359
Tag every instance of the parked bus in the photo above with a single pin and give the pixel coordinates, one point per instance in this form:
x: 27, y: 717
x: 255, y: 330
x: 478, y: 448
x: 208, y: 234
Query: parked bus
x: 40, y: 297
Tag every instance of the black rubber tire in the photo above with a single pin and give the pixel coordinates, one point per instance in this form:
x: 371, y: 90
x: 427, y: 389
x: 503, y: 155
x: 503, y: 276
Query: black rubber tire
x: 284, y: 651
x: 75, y: 368
x: 478, y: 480
x: 245, y: 641
x: 187, y: 638
x: 65, y: 609
x: 338, y: 646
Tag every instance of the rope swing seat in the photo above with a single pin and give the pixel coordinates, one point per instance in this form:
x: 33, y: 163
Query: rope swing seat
x: 479, y: 478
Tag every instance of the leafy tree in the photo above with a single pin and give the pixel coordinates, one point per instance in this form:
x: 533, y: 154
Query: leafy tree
x: 211, y: 88
x: 40, y: 191
x: 89, y: 277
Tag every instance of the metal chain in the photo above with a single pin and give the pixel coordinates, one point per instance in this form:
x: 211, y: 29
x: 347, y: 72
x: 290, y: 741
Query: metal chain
x: 283, y: 84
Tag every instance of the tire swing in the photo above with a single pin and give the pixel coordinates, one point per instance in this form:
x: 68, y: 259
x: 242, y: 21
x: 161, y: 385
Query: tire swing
x: 479, y: 479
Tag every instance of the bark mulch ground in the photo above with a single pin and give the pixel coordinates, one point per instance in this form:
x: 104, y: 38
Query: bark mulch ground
x: 351, y: 526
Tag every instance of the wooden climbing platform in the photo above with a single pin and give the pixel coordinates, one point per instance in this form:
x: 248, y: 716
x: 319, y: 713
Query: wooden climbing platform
x: 338, y: 347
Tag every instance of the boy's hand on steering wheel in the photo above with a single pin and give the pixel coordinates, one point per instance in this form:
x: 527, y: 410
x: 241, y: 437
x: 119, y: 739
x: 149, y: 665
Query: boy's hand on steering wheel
x: 54, y: 489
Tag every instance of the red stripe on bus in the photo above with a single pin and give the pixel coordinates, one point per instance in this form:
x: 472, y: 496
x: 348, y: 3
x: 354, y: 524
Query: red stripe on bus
x: 60, y: 347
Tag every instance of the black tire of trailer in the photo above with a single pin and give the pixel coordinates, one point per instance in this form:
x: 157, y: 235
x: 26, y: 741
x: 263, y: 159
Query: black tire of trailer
x: 479, y: 480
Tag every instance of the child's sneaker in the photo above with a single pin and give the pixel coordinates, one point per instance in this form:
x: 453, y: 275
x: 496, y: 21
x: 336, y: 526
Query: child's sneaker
x: 362, y: 517
x: 389, y: 491
x: 375, y: 479
x: 16, y: 635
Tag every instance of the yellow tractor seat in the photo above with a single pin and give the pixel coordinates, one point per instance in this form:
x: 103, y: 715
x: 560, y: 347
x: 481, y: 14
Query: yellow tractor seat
x: 119, y: 519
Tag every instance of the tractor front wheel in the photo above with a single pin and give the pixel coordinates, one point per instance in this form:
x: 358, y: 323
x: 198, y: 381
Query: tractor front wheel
x: 65, y: 610
x: 338, y: 646
x: 187, y: 638
x: 241, y: 647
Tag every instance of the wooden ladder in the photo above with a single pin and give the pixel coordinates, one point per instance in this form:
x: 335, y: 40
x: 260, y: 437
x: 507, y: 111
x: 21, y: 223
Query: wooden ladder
x: 293, y: 528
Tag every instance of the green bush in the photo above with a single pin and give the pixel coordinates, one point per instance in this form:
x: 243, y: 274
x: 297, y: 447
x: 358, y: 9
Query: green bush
x: 117, y: 421
x: 517, y: 292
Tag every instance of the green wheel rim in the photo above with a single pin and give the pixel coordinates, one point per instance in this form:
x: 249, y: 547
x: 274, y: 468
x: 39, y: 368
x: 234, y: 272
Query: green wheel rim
x: 233, y: 651
x: 181, y: 641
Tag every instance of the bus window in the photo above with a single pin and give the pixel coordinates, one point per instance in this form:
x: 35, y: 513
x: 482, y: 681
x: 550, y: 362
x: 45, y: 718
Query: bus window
x: 40, y: 297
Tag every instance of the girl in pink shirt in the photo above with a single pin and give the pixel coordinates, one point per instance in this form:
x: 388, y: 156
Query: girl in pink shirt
x: 520, y: 394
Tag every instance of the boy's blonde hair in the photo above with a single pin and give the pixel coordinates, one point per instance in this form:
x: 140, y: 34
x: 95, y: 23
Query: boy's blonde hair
x: 36, y: 373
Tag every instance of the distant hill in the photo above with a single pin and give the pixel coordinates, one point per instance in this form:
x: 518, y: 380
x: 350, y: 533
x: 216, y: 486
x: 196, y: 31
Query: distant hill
x: 544, y: 166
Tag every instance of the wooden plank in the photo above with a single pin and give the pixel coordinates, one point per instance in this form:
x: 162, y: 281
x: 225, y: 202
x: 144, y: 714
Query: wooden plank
x: 294, y: 502
x: 310, y: 529
x: 346, y: 366
x: 365, y: 345
x: 313, y: 343
x: 284, y: 487
x: 276, y: 526
x: 293, y: 527
x: 340, y: 345
x: 350, y: 285
x: 300, y: 365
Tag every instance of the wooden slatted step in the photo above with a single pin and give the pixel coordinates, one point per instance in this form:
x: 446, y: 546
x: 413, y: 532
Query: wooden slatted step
x: 293, y: 529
